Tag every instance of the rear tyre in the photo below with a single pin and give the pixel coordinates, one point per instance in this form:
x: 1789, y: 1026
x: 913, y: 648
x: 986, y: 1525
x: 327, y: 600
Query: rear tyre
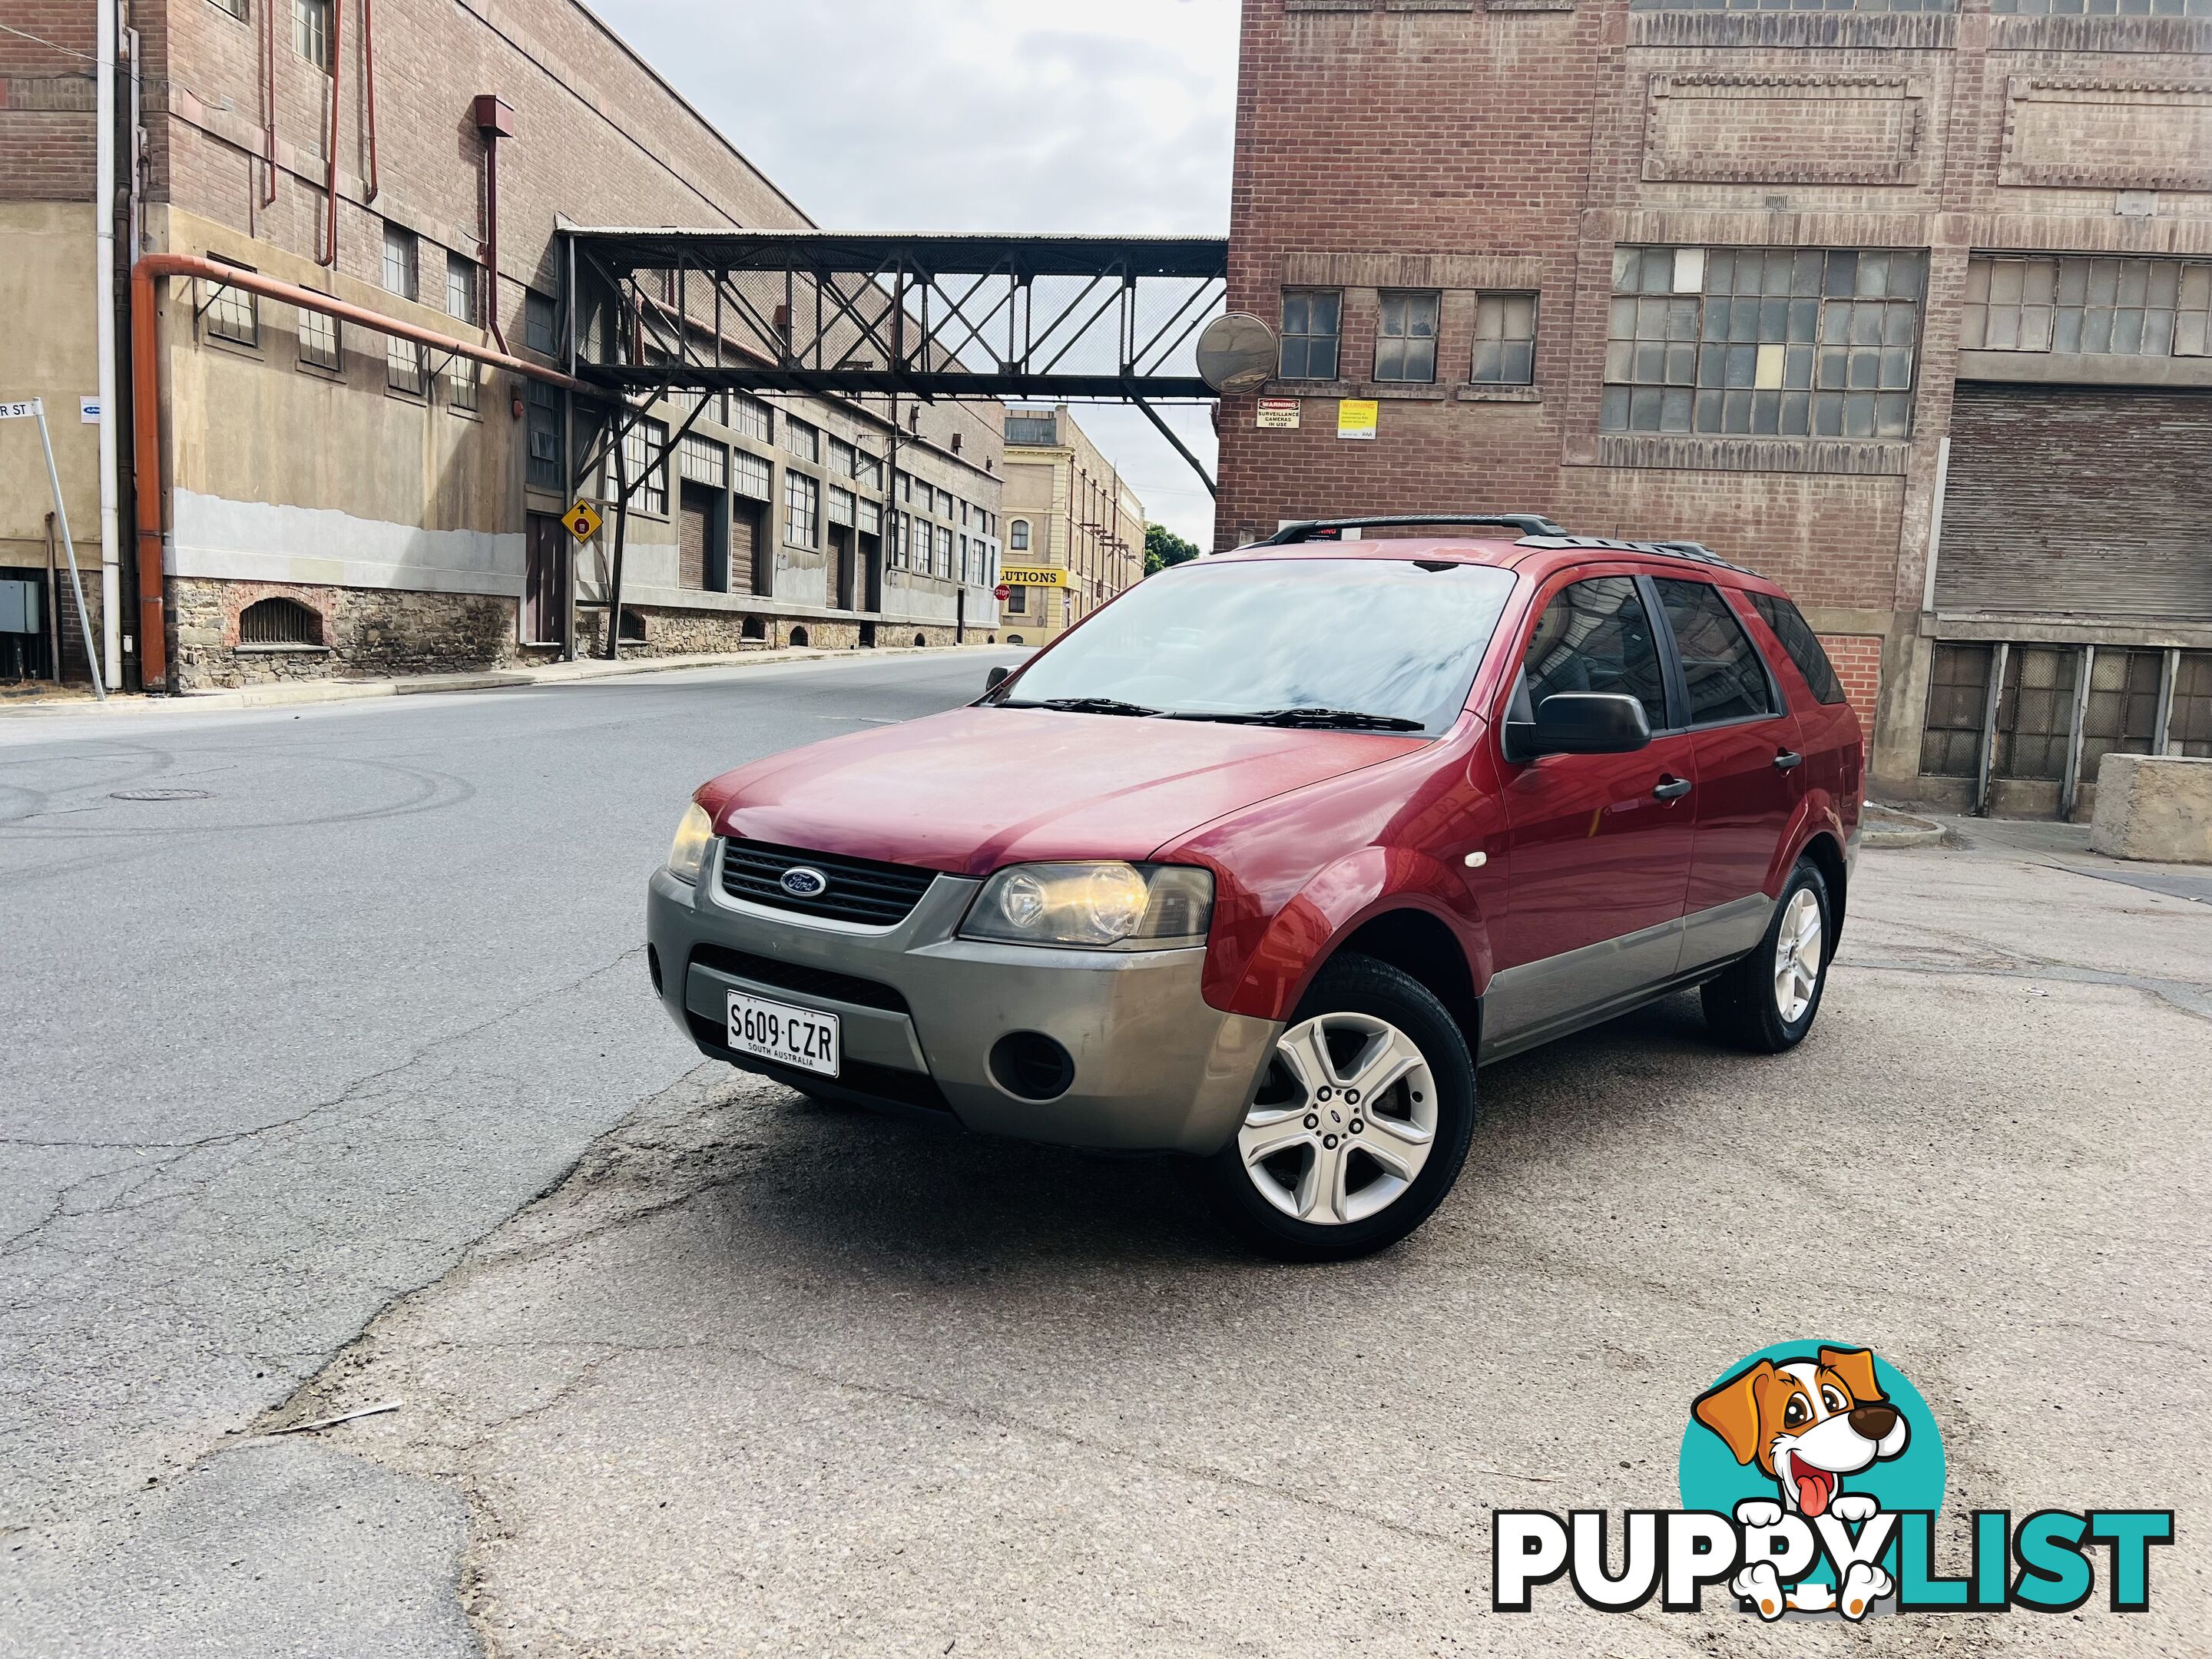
x: 1359, y: 1127
x: 1766, y: 1000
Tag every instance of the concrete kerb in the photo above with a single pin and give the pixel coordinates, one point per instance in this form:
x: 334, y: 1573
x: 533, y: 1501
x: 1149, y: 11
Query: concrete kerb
x: 291, y: 693
x: 1885, y: 826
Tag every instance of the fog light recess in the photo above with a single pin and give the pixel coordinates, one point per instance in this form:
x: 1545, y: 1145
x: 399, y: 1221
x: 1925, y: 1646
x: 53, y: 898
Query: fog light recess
x: 653, y: 967
x: 1031, y: 1065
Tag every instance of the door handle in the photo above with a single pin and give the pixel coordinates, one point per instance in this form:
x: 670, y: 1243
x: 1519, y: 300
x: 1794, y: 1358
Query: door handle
x: 1788, y: 760
x: 1670, y: 788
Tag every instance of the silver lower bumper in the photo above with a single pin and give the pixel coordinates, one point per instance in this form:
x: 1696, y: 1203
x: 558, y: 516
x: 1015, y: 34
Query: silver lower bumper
x: 1156, y: 1067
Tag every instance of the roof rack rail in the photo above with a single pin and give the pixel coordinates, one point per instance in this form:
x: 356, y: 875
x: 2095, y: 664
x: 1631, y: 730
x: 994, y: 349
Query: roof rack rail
x: 1695, y: 550
x: 1331, y: 530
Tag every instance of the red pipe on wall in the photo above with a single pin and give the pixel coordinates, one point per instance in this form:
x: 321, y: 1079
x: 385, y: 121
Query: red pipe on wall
x: 146, y: 414
x: 269, y: 100
x: 331, y: 149
x: 495, y: 121
x: 368, y: 85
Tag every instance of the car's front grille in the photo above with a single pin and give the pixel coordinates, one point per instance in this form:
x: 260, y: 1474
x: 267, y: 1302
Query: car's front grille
x: 802, y: 977
x: 854, y: 890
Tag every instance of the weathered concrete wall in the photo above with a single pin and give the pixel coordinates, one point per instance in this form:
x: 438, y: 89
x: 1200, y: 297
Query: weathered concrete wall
x: 2158, y: 808
x: 48, y: 349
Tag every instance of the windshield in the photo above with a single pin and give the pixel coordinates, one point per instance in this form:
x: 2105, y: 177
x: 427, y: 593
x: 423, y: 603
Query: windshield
x: 1294, y: 641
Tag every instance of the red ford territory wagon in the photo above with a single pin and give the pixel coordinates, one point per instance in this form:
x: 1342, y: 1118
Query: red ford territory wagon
x: 1262, y: 861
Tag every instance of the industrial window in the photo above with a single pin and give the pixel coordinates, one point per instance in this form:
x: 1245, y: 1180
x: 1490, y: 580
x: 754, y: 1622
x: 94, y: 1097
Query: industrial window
x: 1017, y: 601
x: 279, y: 621
x: 802, y: 509
x: 840, y: 505
x: 802, y: 440
x: 747, y: 416
x: 2035, y: 713
x: 2104, y: 8
x: 319, y: 339
x: 1802, y: 644
x: 868, y: 470
x: 2104, y: 306
x: 1406, y: 338
x: 645, y: 453
x: 235, y: 8
x: 1726, y: 680
x: 943, y: 549
x: 544, y: 471
x: 538, y: 323
x: 1018, y: 535
x: 232, y: 313
x: 1805, y: 5
x: 2189, y: 727
x: 750, y: 476
x: 401, y: 273
x: 2121, y: 714
x: 1958, y: 697
x: 1312, y: 325
x: 311, y: 32
x: 462, y: 384
x: 1032, y: 428
x: 1505, y: 339
x: 1763, y: 341
x: 703, y: 461
x: 901, y: 527
x: 460, y: 288
x: 404, y: 369
x: 841, y: 458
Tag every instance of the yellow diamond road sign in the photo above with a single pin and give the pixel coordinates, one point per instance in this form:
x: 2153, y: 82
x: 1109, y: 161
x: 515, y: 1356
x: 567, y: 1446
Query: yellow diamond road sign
x: 582, y: 521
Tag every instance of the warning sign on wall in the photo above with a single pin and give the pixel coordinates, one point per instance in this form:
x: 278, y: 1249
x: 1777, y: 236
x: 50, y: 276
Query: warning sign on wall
x: 1355, y: 417
x: 1279, y: 414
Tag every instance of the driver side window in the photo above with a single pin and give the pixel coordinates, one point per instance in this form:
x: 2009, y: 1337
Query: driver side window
x: 1594, y: 636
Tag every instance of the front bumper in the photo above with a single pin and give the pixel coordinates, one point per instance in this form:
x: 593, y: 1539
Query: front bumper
x: 1156, y: 1067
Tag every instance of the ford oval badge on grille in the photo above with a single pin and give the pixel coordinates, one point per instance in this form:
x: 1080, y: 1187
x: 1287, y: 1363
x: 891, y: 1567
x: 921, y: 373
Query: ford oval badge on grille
x: 804, y: 882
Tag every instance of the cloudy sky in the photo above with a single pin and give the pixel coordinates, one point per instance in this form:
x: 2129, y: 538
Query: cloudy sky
x: 1044, y: 115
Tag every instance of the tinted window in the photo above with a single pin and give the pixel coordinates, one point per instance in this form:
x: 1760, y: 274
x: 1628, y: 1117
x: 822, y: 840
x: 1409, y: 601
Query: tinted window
x: 1803, y: 644
x: 1377, y: 636
x: 1727, y: 680
x: 1595, y: 637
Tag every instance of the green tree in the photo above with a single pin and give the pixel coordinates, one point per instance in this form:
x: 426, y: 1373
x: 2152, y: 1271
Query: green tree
x: 1163, y: 548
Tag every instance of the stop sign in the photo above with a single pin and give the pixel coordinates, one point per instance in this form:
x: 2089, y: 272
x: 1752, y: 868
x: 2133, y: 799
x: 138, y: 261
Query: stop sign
x: 1002, y: 593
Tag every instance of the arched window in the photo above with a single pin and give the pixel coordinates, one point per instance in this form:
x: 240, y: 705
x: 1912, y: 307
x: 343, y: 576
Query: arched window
x: 921, y: 639
x: 1018, y: 535
x: 752, y: 630
x: 633, y: 624
x: 799, y: 636
x: 279, y: 622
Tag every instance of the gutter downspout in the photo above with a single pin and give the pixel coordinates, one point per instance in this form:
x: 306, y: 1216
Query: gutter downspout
x: 495, y: 121
x: 267, y: 102
x: 331, y: 146
x: 103, y: 242
x: 369, y: 87
x: 146, y: 414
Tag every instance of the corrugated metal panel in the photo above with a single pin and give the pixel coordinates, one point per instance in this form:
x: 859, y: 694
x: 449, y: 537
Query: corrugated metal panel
x: 2068, y: 499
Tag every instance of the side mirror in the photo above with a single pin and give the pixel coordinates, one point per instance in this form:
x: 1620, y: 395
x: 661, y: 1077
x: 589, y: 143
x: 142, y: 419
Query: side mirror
x: 998, y: 671
x: 1582, y: 723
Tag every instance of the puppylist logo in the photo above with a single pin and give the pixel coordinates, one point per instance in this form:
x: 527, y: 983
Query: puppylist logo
x: 1811, y: 1475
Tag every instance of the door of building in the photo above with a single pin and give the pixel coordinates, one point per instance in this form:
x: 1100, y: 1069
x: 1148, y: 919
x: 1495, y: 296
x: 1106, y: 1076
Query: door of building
x: 841, y: 567
x: 698, y: 553
x: 2081, y: 500
x: 742, y: 573
x: 545, y: 582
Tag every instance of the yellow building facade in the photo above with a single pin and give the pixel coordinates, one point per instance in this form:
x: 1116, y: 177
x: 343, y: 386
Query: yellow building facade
x: 1073, y: 529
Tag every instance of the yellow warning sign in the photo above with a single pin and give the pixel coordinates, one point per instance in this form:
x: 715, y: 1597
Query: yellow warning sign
x: 583, y: 521
x: 1355, y: 417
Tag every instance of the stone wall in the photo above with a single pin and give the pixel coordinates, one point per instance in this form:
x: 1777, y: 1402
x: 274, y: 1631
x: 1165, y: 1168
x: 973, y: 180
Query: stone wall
x: 367, y: 633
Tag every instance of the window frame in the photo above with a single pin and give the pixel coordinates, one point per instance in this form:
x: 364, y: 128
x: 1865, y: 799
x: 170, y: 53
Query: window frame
x: 1406, y: 341
x: 224, y: 295
x: 1536, y: 299
x: 795, y: 485
x: 1673, y: 702
x: 303, y: 320
x: 405, y: 246
x: 645, y: 445
x: 1777, y: 706
x: 1767, y: 607
x: 310, y: 27
x: 1018, y: 535
x: 1335, y: 336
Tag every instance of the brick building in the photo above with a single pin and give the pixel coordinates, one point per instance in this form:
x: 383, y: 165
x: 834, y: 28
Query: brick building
x: 1903, y: 304
x: 334, y: 499
x: 1075, y: 531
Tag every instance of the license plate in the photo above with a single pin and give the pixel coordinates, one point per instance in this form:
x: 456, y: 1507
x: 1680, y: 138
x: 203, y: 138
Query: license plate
x: 804, y: 1038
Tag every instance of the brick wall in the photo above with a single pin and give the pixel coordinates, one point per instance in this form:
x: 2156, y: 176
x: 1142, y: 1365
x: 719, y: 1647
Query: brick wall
x: 1857, y: 661
x: 46, y: 101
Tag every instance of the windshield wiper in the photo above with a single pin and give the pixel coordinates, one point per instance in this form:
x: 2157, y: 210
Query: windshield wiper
x: 1346, y: 720
x: 1082, y: 705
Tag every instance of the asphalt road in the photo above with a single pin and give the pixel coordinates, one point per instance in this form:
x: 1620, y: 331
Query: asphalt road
x: 279, y: 1051
x: 755, y: 1376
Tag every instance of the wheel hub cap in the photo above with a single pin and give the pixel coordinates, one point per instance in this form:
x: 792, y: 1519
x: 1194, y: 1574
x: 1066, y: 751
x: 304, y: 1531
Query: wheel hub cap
x: 1344, y: 1120
x: 1797, y: 947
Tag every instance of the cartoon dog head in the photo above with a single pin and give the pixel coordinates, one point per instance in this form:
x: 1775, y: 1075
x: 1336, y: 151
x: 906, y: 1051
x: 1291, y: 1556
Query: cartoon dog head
x: 1806, y: 1423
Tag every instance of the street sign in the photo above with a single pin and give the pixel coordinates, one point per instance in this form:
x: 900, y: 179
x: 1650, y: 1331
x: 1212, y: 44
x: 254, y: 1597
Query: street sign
x: 1002, y: 593
x: 582, y: 521
x: 25, y: 410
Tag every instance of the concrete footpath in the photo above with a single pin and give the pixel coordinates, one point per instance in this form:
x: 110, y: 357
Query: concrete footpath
x: 289, y: 693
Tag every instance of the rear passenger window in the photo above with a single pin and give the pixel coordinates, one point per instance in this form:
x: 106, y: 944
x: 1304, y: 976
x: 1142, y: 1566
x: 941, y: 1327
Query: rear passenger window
x: 1727, y: 680
x: 1803, y: 644
x: 1595, y: 637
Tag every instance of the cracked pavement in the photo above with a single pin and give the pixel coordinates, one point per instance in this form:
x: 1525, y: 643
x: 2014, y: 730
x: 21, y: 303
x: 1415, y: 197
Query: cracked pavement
x: 281, y: 1053
x: 692, y: 1365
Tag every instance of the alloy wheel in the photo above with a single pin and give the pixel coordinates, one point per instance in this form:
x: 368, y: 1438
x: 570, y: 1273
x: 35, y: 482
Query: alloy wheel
x: 1343, y: 1121
x: 1798, y: 944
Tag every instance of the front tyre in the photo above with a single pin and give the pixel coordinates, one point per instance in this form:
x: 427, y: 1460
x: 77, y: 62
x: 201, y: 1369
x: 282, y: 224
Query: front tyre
x: 1360, y: 1125
x: 1765, y: 1001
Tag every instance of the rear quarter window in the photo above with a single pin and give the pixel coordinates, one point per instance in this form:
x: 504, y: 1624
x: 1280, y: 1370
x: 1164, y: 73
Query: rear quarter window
x: 1801, y: 643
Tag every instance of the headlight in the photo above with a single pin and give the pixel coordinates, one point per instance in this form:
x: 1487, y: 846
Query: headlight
x: 687, y: 853
x: 1093, y: 905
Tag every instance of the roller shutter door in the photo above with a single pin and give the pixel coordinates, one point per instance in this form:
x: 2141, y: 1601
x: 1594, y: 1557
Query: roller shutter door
x: 2078, y: 499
